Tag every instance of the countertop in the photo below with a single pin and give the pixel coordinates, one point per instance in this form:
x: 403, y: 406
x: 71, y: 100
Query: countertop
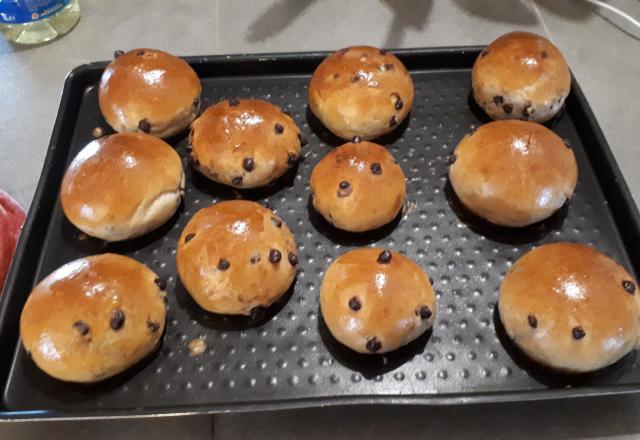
x: 602, y: 51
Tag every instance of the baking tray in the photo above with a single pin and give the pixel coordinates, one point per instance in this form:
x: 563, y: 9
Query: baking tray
x: 289, y: 359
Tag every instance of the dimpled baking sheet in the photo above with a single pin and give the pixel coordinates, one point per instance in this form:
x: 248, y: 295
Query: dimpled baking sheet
x: 286, y: 357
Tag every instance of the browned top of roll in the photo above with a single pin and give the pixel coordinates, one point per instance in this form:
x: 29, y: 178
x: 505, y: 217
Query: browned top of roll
x: 571, y: 307
x: 231, y: 132
x: 523, y: 62
x: 374, y: 186
x: 115, y: 180
x: 361, y: 90
x: 147, y: 84
x: 226, y: 257
x: 513, y: 173
x: 375, y: 301
x: 93, y: 317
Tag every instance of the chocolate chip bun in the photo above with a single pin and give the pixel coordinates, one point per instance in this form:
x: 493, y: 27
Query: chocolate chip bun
x: 236, y: 257
x: 150, y: 91
x: 122, y: 186
x: 513, y: 173
x: 358, y: 187
x: 93, y: 318
x: 570, y: 307
x: 521, y: 76
x: 361, y: 91
x: 375, y: 301
x: 244, y: 143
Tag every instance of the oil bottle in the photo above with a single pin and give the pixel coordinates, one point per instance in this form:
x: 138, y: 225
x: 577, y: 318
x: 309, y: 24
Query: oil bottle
x: 37, y: 21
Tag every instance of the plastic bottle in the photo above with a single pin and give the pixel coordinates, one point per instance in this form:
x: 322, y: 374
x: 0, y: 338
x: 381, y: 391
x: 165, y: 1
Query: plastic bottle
x: 37, y: 21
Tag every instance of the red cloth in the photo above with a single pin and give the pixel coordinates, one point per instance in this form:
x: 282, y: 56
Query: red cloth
x: 11, y: 221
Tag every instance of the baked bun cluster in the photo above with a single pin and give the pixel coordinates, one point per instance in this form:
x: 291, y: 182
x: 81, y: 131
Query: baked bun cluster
x: 358, y: 187
x: 570, y: 307
x: 122, y: 186
x: 521, y: 76
x: 150, y: 91
x: 513, y: 173
x: 375, y: 300
x: 244, y: 143
x: 236, y: 257
x: 361, y: 91
x: 93, y: 318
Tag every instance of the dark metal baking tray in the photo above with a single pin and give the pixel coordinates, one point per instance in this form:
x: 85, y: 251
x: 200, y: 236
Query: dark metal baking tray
x: 290, y: 360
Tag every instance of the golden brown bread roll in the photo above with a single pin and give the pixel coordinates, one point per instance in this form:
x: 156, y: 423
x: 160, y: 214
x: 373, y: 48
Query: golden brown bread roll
x: 93, y: 318
x: 358, y: 187
x: 375, y: 301
x: 513, y: 173
x: 361, y: 91
x: 570, y: 307
x: 150, y: 91
x: 521, y: 76
x: 236, y: 256
x: 122, y: 186
x: 245, y: 143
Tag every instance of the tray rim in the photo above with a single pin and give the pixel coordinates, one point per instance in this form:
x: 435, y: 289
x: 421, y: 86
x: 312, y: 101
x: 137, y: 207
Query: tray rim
x: 623, y: 208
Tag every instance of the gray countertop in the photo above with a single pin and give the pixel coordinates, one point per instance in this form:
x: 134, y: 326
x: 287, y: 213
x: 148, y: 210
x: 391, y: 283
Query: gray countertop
x: 603, y: 52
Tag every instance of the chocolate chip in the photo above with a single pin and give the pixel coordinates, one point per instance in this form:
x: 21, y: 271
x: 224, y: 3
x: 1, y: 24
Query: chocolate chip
x: 189, y: 237
x: 373, y: 345
x: 383, y: 51
x: 248, y: 163
x: 293, y: 258
x: 287, y: 112
x: 223, y: 264
x: 82, y: 327
x: 484, y: 53
x: 236, y: 180
x: 117, y: 319
x: 498, y: 100
x: 302, y: 139
x: 336, y: 75
x: 508, y: 108
x: 393, y: 122
x: 275, y: 256
x: 277, y: 222
x: 526, y: 112
x: 431, y: 281
x: 533, y: 321
x: 153, y: 326
x: 424, y: 312
x: 357, y: 77
x: 384, y: 257
x: 567, y: 143
x: 376, y: 168
x: 389, y: 66
x: 144, y: 126
x: 140, y: 53
x: 255, y: 258
x: 292, y: 159
x: 544, y: 54
x: 399, y: 103
x: 354, y: 304
x: 279, y: 129
x: 189, y: 148
x: 356, y: 139
x: 577, y: 333
x: 257, y: 313
x: 161, y: 283
x: 453, y: 158
x: 629, y: 286
x: 344, y: 189
x: 233, y: 102
x: 118, y: 53
x: 196, y: 102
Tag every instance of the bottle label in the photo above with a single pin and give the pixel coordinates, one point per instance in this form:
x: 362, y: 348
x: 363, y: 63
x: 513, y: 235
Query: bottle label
x: 26, y: 11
